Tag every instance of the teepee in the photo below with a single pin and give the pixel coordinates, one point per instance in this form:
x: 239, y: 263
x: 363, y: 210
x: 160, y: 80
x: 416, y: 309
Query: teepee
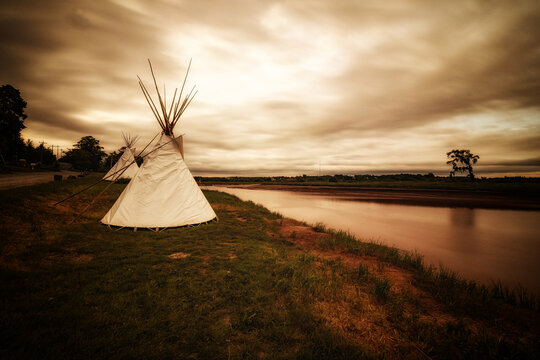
x: 126, y: 167
x: 163, y: 193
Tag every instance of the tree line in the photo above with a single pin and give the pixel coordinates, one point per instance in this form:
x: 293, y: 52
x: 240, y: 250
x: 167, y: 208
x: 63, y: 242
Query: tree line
x: 87, y: 153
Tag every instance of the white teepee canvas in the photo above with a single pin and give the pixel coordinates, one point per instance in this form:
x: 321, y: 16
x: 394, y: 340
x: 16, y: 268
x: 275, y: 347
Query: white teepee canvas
x: 125, y: 167
x: 163, y: 193
x: 118, y: 171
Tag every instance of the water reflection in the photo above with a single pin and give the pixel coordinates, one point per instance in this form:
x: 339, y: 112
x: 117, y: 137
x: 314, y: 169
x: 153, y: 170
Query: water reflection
x: 480, y: 244
x: 461, y: 230
x: 462, y: 217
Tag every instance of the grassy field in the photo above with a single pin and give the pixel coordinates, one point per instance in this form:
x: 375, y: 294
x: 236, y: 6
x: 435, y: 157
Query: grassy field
x: 253, y: 285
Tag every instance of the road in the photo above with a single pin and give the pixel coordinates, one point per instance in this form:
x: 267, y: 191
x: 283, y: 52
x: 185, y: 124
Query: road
x: 10, y: 181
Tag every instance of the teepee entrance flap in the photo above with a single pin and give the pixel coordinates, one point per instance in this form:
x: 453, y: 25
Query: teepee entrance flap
x: 179, y: 141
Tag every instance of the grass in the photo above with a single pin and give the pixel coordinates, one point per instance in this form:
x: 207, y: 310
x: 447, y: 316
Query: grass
x: 381, y: 288
x: 445, y: 284
x: 240, y: 289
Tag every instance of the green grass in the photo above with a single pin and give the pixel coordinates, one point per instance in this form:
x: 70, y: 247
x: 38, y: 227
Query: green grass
x: 237, y: 295
x: 381, y: 288
x: 81, y: 290
x: 446, y: 285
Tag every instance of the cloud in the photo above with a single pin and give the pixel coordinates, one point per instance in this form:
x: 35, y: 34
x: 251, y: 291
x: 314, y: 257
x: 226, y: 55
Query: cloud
x: 358, y: 86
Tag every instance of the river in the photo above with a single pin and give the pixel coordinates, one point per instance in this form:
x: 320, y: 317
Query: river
x: 479, y: 244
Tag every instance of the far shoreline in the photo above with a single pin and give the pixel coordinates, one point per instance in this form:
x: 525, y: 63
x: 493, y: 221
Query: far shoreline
x: 404, y: 196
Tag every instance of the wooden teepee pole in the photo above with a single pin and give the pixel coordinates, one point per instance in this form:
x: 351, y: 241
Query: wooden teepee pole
x: 183, y: 84
x: 168, y: 119
x: 151, y: 104
x: 167, y: 124
x: 184, y: 106
x: 172, y: 103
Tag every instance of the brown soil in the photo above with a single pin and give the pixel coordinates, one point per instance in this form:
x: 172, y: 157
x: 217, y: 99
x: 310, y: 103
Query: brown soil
x: 178, y: 255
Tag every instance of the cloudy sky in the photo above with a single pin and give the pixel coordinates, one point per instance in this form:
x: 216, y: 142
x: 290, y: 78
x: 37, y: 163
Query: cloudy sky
x: 288, y: 87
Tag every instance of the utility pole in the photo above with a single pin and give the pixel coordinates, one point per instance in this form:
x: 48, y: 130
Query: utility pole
x: 41, y: 152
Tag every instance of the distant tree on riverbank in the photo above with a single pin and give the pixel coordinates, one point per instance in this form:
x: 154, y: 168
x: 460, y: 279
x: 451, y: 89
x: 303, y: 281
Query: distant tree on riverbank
x: 12, y: 117
x: 462, y: 161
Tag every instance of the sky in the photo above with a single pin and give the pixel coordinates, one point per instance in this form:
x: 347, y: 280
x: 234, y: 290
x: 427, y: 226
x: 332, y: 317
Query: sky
x: 288, y: 87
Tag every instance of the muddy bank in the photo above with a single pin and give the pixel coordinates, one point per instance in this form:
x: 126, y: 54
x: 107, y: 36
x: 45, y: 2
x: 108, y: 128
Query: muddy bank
x: 444, y: 198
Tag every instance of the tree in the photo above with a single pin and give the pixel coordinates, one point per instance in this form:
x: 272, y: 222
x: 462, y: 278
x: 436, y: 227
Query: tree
x: 112, y: 158
x: 39, y: 154
x: 86, y: 155
x: 12, y: 117
x: 462, y: 161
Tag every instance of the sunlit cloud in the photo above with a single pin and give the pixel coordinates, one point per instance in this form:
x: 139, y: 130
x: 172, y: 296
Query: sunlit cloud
x: 288, y: 87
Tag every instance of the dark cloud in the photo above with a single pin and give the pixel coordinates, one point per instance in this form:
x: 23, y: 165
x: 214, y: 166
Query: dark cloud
x: 533, y: 162
x: 78, y: 20
x: 286, y: 85
x: 494, y: 66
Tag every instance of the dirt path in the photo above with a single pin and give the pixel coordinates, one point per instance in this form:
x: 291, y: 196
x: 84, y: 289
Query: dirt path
x: 10, y: 181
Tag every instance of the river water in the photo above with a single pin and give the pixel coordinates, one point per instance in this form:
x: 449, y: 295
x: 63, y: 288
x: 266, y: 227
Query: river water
x: 479, y: 244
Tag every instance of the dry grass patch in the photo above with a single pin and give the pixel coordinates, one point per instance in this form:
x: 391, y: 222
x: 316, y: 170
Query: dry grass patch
x: 227, y: 207
x: 233, y: 211
x: 205, y: 264
x: 66, y: 258
x: 368, y: 328
x: 382, y: 307
x: 298, y: 233
x: 401, y: 280
x: 178, y: 255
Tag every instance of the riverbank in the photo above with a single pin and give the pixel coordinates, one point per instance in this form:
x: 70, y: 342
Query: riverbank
x: 419, y: 197
x: 253, y: 285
